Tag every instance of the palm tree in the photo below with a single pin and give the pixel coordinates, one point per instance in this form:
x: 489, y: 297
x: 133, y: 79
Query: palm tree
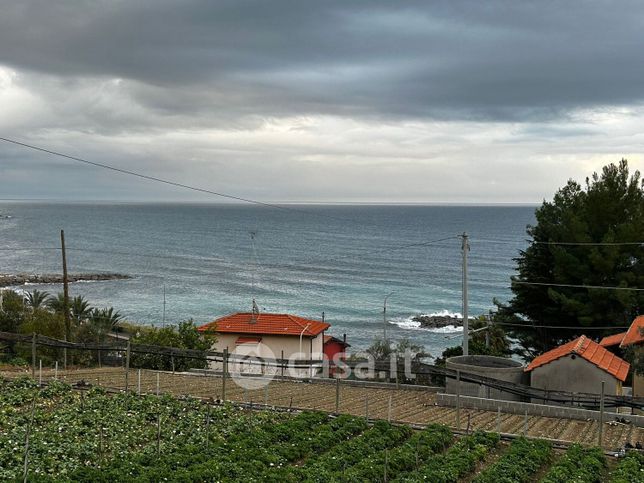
x: 80, y: 309
x: 102, y: 322
x: 56, y: 303
x: 36, y: 299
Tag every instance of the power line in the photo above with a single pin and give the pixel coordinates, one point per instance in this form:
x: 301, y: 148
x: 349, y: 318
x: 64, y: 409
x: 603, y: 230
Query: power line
x: 569, y: 285
x: 529, y: 326
x: 168, y: 182
x: 564, y: 243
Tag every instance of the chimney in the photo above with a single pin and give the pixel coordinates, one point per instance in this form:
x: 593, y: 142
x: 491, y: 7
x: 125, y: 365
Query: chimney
x: 255, y: 313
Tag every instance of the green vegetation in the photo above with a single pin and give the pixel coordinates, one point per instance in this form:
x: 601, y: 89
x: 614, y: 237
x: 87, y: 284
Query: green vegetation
x: 630, y: 469
x: 599, y: 220
x: 578, y: 464
x: 522, y: 460
x: 100, y: 437
x: 457, y: 461
x: 411, y: 454
x: 43, y: 314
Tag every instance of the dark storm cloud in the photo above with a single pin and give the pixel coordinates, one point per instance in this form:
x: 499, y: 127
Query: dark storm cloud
x: 450, y: 60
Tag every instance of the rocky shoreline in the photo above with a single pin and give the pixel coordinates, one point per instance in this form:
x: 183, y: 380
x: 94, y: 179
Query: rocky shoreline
x: 9, y: 280
x: 438, y: 321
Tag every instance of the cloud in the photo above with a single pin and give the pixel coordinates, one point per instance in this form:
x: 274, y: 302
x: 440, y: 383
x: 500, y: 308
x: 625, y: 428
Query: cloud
x: 292, y: 100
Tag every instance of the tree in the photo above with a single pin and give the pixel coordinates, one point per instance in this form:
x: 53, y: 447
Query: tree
x: 36, y: 299
x: 586, y: 236
x: 100, y: 323
x: 183, y: 336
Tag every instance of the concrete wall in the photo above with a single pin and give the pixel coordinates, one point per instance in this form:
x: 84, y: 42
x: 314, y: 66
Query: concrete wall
x: 271, y: 346
x: 574, y: 374
x: 487, y: 366
x: 515, y: 407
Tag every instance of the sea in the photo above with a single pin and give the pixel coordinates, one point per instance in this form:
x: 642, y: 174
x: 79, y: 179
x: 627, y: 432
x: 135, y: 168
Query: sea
x: 202, y: 261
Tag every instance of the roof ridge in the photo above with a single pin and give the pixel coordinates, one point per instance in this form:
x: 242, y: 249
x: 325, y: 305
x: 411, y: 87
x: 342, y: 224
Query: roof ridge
x: 579, y: 344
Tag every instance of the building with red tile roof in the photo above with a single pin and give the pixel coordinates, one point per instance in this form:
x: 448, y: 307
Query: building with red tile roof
x: 612, y: 340
x: 635, y: 333
x: 268, y: 336
x: 579, y: 366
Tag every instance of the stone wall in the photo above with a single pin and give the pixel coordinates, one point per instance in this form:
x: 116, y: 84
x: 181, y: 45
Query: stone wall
x: 515, y: 407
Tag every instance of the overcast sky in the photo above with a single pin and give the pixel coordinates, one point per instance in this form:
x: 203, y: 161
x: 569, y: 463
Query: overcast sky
x: 482, y: 101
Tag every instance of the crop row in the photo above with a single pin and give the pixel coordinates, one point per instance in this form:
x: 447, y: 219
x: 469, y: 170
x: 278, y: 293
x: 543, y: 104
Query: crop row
x: 459, y: 460
x: 578, y: 464
x: 519, y: 463
x: 630, y: 469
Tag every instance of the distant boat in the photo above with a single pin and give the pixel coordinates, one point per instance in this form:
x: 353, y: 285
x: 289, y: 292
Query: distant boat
x: 5, y: 217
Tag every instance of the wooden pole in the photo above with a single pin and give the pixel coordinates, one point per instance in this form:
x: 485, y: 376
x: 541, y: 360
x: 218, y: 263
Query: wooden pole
x: 158, y: 383
x: 266, y: 395
x: 56, y: 370
x: 366, y: 408
x: 337, y: 394
x: 458, y: 400
x: 127, y: 365
x: 283, y: 364
x: 600, y: 439
x: 525, y: 423
x: 498, y: 420
x: 138, y: 382
x: 389, y: 409
x: 68, y: 323
x: 40, y: 372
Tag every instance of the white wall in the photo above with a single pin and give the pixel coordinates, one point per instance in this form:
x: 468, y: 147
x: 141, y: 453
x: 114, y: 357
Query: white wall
x: 271, y: 347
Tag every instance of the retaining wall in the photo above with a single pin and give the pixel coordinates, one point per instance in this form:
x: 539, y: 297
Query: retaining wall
x: 515, y: 407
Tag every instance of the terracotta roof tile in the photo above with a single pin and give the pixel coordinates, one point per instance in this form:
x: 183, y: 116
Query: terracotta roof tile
x: 612, y: 340
x: 634, y: 332
x: 589, y: 350
x: 273, y: 324
x: 329, y: 338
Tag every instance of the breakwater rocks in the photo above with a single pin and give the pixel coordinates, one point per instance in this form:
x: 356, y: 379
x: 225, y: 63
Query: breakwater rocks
x: 438, y: 321
x: 9, y: 280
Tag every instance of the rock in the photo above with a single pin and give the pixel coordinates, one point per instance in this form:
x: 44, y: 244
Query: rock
x: 437, y: 321
x: 9, y: 280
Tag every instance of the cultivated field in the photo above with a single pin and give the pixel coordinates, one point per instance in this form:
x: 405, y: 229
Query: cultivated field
x: 409, y: 406
x: 58, y: 434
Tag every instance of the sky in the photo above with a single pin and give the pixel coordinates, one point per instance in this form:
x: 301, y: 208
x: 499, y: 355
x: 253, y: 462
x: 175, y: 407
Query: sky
x: 325, y: 101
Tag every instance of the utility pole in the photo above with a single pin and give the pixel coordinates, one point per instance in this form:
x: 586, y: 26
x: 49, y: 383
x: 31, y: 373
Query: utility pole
x: 384, y: 316
x: 164, y: 304
x: 466, y: 332
x: 65, y: 297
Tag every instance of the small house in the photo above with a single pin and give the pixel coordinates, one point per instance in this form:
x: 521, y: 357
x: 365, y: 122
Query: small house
x: 579, y: 366
x: 634, y: 336
x: 334, y: 351
x: 269, y: 336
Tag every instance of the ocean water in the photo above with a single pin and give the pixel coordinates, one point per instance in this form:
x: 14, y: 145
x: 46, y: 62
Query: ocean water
x: 213, y: 259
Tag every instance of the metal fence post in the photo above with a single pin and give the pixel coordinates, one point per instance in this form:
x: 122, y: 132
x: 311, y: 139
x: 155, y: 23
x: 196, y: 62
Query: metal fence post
x: 458, y: 400
x: 158, y: 385
x: 127, y: 365
x: 56, y: 370
x: 40, y: 372
x: 224, y: 375
x: 33, y: 355
x: 138, y: 382
x: 601, y: 416
x: 337, y: 394
x: 498, y: 420
x: 525, y: 423
x: 389, y: 410
x: 366, y: 408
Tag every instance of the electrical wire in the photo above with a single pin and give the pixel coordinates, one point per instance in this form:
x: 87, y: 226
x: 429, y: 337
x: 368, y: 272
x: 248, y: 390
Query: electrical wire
x: 570, y: 285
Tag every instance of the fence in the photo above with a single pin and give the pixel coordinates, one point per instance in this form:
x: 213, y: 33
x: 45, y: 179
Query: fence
x: 398, y: 370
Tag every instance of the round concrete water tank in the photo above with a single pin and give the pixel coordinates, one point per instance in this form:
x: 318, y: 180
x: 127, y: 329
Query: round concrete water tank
x: 487, y: 366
